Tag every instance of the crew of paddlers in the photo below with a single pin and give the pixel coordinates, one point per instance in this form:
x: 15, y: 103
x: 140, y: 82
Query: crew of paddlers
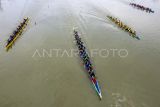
x: 123, y: 26
x: 16, y: 33
x: 149, y: 10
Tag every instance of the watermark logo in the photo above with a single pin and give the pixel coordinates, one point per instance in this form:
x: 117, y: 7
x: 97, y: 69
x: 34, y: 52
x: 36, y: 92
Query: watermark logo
x: 103, y: 53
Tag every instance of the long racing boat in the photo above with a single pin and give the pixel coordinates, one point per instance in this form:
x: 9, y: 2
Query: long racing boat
x: 143, y: 8
x: 16, y: 34
x: 124, y: 27
x: 87, y: 62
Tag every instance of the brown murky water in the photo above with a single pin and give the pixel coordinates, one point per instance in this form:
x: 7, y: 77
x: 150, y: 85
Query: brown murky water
x: 28, y: 80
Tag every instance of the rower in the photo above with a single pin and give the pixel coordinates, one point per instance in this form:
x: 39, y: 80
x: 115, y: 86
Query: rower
x: 25, y: 20
x: 91, y: 73
x: 9, y: 40
x: 77, y: 37
x: 82, y: 54
x: 89, y: 67
x: 152, y: 11
x: 128, y: 29
x: 79, y: 42
x: 75, y: 33
x: 15, y: 32
x: 19, y: 27
x: 88, y: 64
x: 23, y: 23
x: 81, y: 47
x: 86, y: 59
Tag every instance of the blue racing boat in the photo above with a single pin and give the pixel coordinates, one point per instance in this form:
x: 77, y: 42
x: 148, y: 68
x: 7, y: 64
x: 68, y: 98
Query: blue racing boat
x: 87, y: 63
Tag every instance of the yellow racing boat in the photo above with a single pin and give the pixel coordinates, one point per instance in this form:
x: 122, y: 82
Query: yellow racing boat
x: 124, y: 27
x: 18, y: 34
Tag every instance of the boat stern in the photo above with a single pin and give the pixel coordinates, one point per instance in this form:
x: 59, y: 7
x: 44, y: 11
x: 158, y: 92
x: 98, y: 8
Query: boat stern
x: 100, y: 96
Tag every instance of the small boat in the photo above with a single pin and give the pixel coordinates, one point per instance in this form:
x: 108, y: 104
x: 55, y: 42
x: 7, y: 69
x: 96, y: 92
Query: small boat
x: 124, y: 27
x: 16, y: 34
x: 143, y: 8
x: 87, y: 63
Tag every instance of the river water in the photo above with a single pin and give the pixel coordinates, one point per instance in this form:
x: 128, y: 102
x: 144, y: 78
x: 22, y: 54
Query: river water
x: 33, y: 75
